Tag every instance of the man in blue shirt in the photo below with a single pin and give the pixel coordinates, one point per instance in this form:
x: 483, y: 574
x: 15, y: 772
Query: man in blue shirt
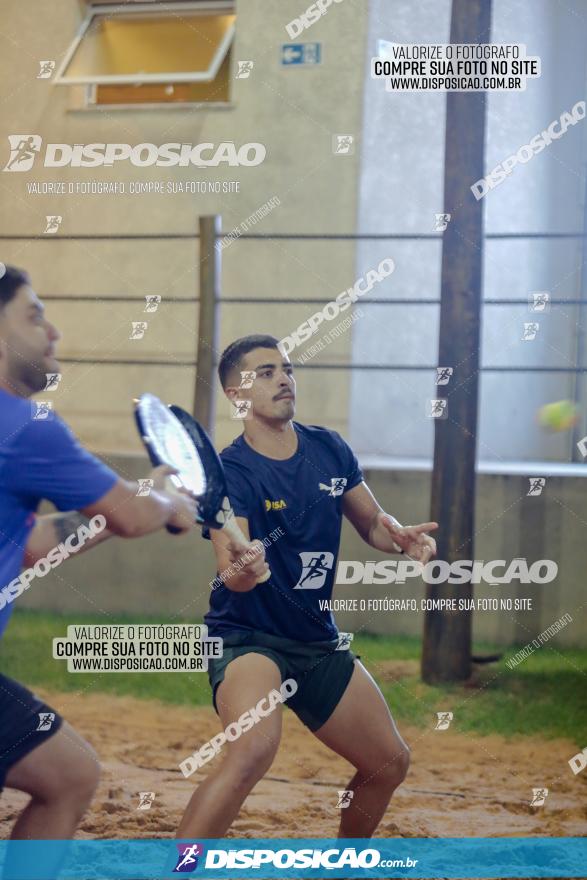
x: 40, y: 458
x: 290, y: 486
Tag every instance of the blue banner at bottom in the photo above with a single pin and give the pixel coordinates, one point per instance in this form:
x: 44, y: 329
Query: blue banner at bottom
x: 470, y: 857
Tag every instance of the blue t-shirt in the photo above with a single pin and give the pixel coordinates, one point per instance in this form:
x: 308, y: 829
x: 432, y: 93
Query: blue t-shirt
x: 302, y: 496
x: 39, y: 459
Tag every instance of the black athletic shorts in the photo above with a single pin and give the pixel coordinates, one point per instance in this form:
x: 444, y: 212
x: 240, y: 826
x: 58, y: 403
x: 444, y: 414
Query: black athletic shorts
x: 321, y: 670
x: 25, y: 723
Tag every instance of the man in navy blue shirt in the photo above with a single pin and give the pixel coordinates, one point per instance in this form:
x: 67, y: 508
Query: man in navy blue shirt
x: 290, y: 485
x: 40, y: 458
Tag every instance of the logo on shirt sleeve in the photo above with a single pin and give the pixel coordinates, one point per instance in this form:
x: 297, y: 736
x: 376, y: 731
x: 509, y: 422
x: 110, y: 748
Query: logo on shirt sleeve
x: 315, y: 567
x: 336, y: 487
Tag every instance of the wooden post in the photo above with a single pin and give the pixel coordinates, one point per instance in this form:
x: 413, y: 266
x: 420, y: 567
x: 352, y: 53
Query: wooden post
x: 207, y: 347
x: 446, y: 652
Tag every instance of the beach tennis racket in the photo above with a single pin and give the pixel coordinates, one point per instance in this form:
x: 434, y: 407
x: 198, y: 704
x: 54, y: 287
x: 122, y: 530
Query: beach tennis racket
x: 215, y: 510
x: 168, y: 443
x: 172, y: 437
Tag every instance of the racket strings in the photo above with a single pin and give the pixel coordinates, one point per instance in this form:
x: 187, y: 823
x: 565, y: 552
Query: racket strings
x: 172, y: 443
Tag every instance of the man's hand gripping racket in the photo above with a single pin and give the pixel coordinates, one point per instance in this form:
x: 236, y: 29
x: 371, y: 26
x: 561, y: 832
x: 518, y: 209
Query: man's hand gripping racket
x: 172, y: 437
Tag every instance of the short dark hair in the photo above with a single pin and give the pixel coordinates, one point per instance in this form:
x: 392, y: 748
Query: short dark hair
x: 232, y: 356
x: 10, y: 281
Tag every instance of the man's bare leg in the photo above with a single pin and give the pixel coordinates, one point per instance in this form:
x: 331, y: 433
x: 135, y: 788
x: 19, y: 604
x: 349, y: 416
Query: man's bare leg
x: 61, y: 776
x: 362, y: 730
x: 218, y: 799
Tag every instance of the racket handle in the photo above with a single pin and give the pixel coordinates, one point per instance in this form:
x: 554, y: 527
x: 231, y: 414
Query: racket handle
x: 232, y: 529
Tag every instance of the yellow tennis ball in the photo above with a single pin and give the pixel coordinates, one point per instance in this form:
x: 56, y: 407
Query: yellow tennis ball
x: 558, y: 416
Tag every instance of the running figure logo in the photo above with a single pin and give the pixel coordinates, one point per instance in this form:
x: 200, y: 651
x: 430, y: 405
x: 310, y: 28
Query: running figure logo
x: 539, y: 795
x: 539, y: 301
x: 441, y: 222
x: 244, y: 69
x: 153, y: 301
x: 444, y: 719
x: 438, y: 408
x: 344, y: 641
x: 247, y: 378
x: 537, y: 484
x: 23, y: 150
x: 342, y: 144
x: 241, y: 409
x: 53, y: 223
x: 443, y: 375
x: 344, y: 799
x: 187, y: 860
x: 53, y: 380
x: 315, y: 567
x: 336, y: 487
x: 42, y: 410
x: 138, y: 329
x: 46, y: 720
x: 46, y: 69
x: 146, y: 798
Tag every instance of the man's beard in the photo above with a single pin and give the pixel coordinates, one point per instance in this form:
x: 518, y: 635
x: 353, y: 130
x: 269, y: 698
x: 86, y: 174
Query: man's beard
x: 32, y: 375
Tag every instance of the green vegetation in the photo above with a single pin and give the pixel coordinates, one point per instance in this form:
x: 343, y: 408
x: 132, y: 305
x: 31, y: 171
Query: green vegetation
x: 545, y: 695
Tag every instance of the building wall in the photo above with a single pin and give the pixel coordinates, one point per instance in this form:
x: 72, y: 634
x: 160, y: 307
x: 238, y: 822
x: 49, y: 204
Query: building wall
x: 392, y: 182
x: 294, y: 112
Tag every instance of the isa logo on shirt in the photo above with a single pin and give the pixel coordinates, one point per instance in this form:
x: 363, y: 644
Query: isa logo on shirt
x: 315, y: 567
x: 187, y: 860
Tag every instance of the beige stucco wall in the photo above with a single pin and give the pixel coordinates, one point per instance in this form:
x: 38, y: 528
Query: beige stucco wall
x: 294, y: 113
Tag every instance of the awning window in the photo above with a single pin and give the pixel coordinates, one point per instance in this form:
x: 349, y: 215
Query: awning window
x: 180, y: 43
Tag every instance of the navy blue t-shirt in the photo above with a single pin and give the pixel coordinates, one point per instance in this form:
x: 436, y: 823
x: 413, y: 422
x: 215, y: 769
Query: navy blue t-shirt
x: 302, y: 496
x: 39, y: 459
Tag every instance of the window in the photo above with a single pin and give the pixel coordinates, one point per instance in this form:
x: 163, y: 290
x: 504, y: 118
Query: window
x: 152, y: 53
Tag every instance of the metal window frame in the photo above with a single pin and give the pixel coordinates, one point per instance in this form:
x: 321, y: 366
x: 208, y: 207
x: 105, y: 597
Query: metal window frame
x: 156, y: 11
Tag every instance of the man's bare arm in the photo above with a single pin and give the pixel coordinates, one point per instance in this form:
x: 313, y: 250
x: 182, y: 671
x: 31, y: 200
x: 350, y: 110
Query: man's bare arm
x: 382, y: 531
x: 131, y: 515
x: 362, y: 510
x: 53, y: 529
x: 126, y: 513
